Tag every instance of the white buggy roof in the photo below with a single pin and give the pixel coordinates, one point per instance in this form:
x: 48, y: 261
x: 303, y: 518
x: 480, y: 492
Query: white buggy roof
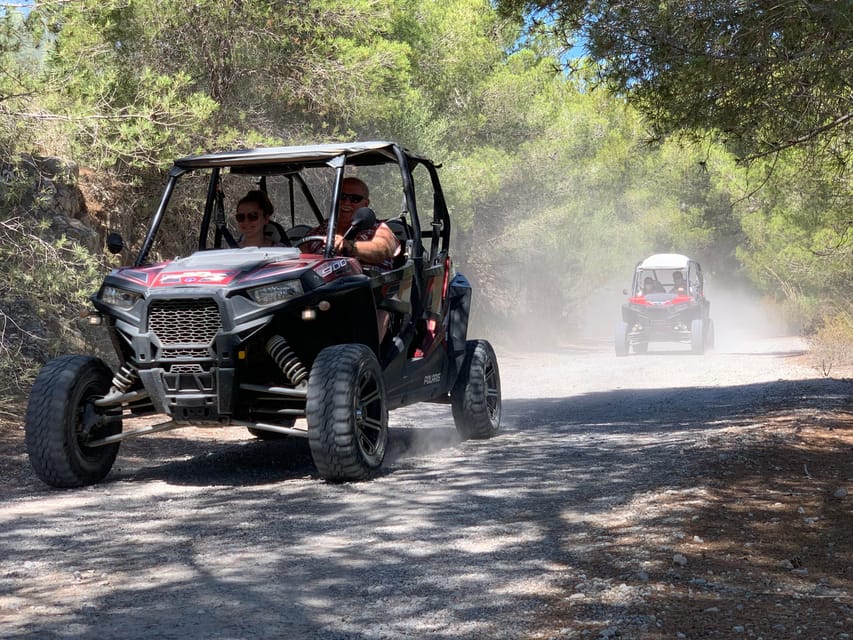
x: 665, y: 261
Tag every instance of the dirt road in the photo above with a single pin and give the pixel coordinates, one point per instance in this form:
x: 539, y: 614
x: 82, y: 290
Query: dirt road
x: 657, y: 496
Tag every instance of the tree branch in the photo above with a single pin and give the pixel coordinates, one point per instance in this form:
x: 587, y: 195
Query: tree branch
x: 811, y: 135
x: 61, y: 118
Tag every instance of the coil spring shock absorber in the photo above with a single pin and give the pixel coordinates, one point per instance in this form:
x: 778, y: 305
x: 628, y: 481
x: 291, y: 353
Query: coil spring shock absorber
x: 124, y: 378
x: 287, y: 361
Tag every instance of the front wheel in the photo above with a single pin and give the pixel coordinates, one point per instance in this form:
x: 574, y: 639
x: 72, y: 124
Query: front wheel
x: 347, y: 413
x: 62, y: 417
x: 709, y: 335
x: 621, y: 339
x: 476, y: 396
x: 697, y: 337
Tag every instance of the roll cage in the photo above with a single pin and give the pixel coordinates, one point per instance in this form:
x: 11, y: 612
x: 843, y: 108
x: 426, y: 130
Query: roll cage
x: 290, y: 162
x: 661, y: 267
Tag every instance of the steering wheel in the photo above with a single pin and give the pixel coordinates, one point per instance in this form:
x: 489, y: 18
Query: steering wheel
x: 312, y: 238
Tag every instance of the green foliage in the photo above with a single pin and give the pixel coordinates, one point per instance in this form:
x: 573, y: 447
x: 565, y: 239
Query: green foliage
x: 19, y: 59
x: 454, y: 49
x: 764, y: 75
x: 140, y: 81
x: 120, y: 110
x: 798, y: 243
x: 551, y: 182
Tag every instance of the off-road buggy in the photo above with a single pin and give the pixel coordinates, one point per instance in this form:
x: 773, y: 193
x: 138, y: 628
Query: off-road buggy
x: 667, y: 304
x: 266, y: 337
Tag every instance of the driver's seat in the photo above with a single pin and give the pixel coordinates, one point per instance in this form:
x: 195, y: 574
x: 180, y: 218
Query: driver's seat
x: 275, y: 232
x: 404, y: 235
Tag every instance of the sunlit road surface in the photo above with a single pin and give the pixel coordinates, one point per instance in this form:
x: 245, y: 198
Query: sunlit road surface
x: 591, y: 365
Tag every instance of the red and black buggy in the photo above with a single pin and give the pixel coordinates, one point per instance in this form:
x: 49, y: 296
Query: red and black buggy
x: 272, y: 339
x: 667, y: 304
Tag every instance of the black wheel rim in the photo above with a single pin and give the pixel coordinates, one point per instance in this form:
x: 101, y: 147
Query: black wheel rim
x: 86, y: 423
x: 493, y: 391
x: 369, y: 427
x: 90, y: 424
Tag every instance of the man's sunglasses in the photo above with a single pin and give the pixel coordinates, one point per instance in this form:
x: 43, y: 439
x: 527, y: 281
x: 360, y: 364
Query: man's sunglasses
x: 352, y: 197
x: 252, y: 216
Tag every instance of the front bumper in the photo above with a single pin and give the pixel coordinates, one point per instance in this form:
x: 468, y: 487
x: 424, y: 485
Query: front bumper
x: 660, y: 323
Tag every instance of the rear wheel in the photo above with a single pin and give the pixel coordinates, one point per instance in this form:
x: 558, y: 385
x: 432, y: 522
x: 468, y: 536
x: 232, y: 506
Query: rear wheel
x: 347, y: 413
x: 476, y: 396
x: 697, y: 337
x: 621, y: 339
x: 62, y: 417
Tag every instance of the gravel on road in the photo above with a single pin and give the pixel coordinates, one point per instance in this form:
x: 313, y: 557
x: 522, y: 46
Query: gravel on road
x: 657, y: 496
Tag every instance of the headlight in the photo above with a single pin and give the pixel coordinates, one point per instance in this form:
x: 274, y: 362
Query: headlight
x: 121, y: 298
x: 278, y: 292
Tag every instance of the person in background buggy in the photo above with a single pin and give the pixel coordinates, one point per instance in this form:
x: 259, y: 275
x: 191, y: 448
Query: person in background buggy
x: 678, y: 284
x: 650, y: 285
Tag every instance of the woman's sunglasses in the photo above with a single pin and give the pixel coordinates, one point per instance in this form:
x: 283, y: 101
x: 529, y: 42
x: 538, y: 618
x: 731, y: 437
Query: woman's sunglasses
x: 252, y: 216
x: 352, y: 197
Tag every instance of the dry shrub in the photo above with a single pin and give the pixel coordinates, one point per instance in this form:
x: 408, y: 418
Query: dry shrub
x: 47, y: 272
x: 832, y: 342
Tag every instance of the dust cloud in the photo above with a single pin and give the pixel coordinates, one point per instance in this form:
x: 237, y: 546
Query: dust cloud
x: 741, y: 316
x: 585, y: 316
x: 603, y: 309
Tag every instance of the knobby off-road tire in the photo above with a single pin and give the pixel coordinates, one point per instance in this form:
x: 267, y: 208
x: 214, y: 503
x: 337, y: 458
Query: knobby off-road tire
x: 476, y: 396
x: 621, y: 338
x: 61, y: 418
x: 347, y: 413
x: 709, y: 334
x: 697, y: 337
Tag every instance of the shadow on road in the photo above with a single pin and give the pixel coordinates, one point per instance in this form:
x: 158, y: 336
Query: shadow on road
x: 644, y: 419
x: 481, y: 537
x: 690, y: 408
x: 257, y: 462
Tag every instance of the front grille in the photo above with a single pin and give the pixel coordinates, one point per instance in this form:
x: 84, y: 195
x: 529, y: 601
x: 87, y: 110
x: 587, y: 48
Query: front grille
x: 184, y: 322
x: 186, y: 368
x: 176, y: 353
x: 658, y: 323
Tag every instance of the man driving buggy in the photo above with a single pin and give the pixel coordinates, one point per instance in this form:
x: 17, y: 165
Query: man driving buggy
x: 678, y: 284
x: 376, y: 246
